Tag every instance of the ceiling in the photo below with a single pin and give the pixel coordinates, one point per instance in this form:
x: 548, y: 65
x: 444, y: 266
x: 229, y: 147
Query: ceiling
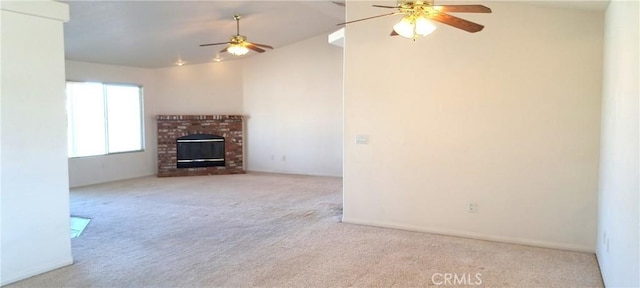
x: 154, y: 34
x: 593, y: 5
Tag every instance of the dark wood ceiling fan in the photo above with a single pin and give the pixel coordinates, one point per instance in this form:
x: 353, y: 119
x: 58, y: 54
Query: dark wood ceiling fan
x: 238, y: 45
x: 415, y: 11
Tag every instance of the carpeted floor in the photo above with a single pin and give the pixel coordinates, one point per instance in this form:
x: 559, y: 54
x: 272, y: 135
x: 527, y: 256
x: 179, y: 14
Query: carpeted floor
x: 274, y: 230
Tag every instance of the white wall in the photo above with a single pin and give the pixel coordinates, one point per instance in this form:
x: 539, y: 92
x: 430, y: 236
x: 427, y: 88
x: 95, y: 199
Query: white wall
x: 618, y: 221
x: 204, y: 89
x: 507, y: 118
x: 293, y: 99
x: 99, y: 169
x: 34, y: 187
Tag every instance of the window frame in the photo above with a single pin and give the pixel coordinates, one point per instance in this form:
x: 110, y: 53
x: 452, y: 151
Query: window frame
x: 106, y: 117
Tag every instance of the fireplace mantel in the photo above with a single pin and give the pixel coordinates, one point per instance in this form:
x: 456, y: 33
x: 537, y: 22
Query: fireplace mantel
x: 171, y: 127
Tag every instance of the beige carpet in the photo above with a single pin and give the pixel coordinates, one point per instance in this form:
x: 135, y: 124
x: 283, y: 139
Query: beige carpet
x: 275, y: 230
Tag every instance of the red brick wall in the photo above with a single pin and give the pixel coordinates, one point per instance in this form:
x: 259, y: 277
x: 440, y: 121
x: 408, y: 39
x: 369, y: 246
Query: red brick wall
x: 170, y: 127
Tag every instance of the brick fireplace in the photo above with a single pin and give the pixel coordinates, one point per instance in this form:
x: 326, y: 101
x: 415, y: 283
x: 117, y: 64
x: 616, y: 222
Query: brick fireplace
x: 172, y: 127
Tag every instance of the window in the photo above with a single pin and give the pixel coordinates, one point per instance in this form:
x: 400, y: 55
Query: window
x: 103, y: 118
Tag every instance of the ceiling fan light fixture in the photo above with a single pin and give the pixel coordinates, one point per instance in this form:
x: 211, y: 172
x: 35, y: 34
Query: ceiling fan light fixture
x: 413, y: 26
x: 238, y: 49
x: 405, y: 28
x: 424, y: 27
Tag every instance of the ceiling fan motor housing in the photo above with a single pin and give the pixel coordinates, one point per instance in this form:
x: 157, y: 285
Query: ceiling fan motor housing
x: 415, y: 9
x: 405, y: 3
x: 238, y: 39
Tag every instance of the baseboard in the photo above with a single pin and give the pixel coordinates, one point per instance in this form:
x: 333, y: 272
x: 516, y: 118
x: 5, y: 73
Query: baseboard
x: 293, y: 173
x: 103, y: 181
x: 602, y: 276
x: 472, y: 235
x: 33, y: 271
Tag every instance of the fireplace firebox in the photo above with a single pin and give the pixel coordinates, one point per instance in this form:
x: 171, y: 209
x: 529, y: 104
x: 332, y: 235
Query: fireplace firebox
x: 200, y: 150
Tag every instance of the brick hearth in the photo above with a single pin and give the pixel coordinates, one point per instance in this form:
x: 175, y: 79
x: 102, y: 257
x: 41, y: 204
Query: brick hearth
x: 170, y: 127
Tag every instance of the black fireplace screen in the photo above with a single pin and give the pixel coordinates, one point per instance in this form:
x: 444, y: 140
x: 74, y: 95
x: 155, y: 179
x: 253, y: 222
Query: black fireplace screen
x: 200, y: 150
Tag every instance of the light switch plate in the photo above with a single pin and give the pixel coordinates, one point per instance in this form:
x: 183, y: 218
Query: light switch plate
x: 362, y: 139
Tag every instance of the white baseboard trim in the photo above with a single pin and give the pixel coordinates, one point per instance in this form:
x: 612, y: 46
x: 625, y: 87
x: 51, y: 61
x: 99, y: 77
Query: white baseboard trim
x: 292, y: 173
x: 102, y: 181
x: 473, y: 235
x: 33, y: 271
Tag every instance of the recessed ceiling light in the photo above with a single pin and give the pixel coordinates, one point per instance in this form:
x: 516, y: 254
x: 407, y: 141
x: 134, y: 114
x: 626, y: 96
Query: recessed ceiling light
x: 180, y: 63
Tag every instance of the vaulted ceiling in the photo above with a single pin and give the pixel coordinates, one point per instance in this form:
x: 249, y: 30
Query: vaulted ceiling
x: 153, y: 34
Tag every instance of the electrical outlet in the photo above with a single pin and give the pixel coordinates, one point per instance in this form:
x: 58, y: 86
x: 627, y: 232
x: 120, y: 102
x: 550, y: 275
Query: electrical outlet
x: 472, y: 208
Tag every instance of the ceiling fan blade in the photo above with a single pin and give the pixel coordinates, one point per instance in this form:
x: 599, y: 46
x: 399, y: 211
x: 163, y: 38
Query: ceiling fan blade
x: 384, y: 6
x: 254, y: 47
x: 457, y: 22
x: 463, y: 8
x: 262, y: 45
x: 212, y: 44
x: 388, y: 14
x: 393, y: 33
